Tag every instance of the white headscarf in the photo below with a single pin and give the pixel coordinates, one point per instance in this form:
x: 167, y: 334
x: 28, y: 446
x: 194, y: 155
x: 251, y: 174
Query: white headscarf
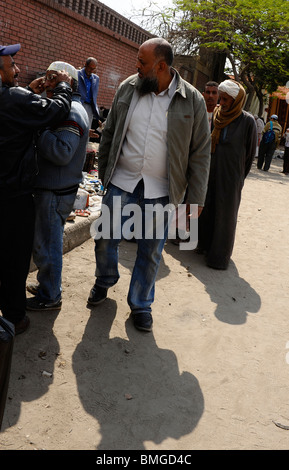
x: 230, y: 87
x: 58, y: 66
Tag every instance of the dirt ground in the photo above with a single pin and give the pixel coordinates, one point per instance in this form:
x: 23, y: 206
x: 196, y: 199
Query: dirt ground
x: 213, y: 374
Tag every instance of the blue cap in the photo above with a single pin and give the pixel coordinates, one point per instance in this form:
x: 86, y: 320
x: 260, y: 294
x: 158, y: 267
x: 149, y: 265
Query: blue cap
x: 9, y: 50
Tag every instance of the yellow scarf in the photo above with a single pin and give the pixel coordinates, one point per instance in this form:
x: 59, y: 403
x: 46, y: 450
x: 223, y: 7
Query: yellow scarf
x: 221, y: 118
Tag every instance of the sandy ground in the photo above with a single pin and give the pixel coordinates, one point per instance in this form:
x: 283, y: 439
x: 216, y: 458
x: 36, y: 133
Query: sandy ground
x: 213, y: 374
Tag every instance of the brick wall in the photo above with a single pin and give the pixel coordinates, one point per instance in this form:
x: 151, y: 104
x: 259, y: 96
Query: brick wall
x: 71, y: 31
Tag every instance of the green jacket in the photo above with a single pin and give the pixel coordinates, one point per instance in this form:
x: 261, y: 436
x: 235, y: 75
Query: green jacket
x: 188, y: 140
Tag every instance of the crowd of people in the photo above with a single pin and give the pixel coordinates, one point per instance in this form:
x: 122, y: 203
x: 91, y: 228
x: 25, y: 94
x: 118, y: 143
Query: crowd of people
x: 164, y: 143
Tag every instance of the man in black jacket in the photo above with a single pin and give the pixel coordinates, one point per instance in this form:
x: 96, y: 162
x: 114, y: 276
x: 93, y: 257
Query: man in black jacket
x: 23, y: 112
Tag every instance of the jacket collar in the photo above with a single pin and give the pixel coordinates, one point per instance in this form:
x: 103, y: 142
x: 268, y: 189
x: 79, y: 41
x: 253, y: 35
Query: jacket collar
x: 180, y: 84
x: 84, y: 76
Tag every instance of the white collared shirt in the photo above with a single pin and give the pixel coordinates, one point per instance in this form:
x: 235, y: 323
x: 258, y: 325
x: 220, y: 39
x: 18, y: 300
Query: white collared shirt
x: 210, y: 117
x: 144, y: 150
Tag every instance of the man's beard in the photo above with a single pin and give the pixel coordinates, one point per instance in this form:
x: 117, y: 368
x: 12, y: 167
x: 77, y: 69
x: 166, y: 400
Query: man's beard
x: 147, y: 85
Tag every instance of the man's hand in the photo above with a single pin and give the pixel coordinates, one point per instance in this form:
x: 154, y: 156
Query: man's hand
x: 93, y: 134
x: 37, y: 85
x: 194, y: 213
x: 62, y: 76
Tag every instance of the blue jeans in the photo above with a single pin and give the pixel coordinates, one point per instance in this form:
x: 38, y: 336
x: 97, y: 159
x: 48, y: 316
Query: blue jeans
x: 149, y: 250
x: 51, y: 213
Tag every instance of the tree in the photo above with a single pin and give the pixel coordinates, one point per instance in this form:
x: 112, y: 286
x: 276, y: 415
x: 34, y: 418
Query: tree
x: 252, y: 33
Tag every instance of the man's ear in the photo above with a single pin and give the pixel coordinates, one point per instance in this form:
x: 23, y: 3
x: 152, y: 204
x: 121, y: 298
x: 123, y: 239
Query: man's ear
x: 162, y: 65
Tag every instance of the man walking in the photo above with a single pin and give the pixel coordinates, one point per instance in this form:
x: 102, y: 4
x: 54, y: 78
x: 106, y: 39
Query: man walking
x: 155, y: 145
x: 272, y: 133
x: 22, y: 114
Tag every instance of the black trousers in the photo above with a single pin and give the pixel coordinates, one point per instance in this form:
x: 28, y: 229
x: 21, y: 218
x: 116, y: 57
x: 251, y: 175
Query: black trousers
x: 286, y: 161
x: 266, y: 152
x: 16, y: 240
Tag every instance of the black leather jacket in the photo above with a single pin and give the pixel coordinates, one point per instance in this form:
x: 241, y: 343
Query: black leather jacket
x: 22, y: 114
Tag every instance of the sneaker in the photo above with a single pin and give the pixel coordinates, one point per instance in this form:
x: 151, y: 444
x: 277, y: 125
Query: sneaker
x: 142, y: 321
x: 32, y: 288
x: 35, y: 304
x: 22, y: 325
x: 97, y: 295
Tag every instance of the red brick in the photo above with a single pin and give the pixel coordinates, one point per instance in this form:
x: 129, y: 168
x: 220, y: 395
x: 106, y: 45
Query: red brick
x: 47, y: 34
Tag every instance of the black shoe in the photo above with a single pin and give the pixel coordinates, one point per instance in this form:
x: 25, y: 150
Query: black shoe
x: 22, y: 325
x: 199, y: 251
x: 178, y: 240
x: 34, y: 304
x: 97, y: 295
x: 142, y: 321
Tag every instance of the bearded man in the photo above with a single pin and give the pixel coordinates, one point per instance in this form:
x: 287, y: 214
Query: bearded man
x: 155, y: 145
x: 233, y: 149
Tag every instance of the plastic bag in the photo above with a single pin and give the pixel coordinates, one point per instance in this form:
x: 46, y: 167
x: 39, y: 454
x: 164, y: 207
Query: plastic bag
x: 81, y: 200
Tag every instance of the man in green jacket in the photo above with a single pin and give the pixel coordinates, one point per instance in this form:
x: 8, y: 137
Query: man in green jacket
x: 154, y: 147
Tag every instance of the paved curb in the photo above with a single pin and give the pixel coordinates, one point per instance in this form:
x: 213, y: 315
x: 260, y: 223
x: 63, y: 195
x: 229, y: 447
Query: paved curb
x: 76, y: 232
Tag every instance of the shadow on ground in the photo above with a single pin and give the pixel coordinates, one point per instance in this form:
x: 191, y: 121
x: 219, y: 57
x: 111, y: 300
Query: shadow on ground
x: 131, y: 387
x: 233, y: 295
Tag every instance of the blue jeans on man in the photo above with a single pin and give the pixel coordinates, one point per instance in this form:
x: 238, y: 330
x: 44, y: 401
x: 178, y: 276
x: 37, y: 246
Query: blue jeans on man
x: 149, y: 244
x: 52, y: 211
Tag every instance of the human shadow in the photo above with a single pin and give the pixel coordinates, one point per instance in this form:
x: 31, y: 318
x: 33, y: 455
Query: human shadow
x: 34, y: 352
x: 133, y: 388
x: 234, y: 296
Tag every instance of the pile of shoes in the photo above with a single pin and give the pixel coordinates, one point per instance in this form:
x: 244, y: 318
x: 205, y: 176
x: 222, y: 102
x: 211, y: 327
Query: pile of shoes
x: 91, y: 183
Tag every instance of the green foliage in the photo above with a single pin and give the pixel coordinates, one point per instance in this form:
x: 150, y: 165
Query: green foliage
x: 253, y: 34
